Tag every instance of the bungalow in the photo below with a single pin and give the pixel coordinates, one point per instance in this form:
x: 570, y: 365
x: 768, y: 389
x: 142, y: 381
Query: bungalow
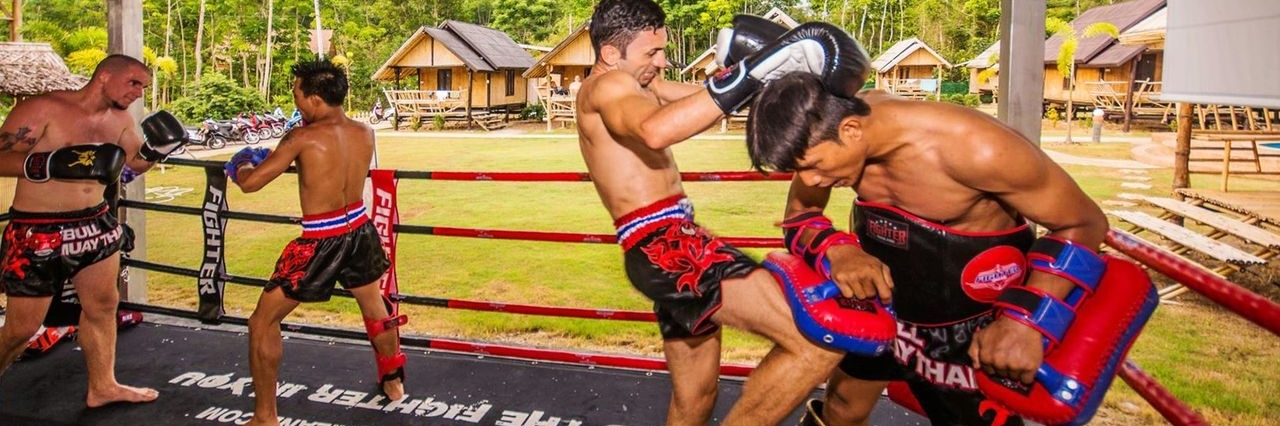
x: 987, y: 60
x: 457, y: 69
x: 1107, y: 72
x: 910, y: 68
x: 567, y: 63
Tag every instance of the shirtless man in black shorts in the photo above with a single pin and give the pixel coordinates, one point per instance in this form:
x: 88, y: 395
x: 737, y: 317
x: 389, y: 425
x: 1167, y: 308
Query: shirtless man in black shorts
x: 628, y: 117
x: 945, y: 197
x: 338, y: 244
x: 66, y: 147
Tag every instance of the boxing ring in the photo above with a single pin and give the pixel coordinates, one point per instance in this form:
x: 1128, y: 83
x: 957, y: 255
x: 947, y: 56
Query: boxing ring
x: 328, y: 377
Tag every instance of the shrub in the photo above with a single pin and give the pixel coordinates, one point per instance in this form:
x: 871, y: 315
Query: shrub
x: 533, y: 111
x: 216, y: 97
x: 438, y: 122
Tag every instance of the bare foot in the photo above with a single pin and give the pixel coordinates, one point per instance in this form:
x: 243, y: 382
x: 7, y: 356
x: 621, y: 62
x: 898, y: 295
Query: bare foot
x: 394, y: 389
x: 120, y: 393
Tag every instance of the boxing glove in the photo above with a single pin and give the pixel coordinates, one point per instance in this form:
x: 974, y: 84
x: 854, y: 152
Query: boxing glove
x: 749, y: 34
x: 815, y: 47
x: 248, y: 155
x: 163, y: 135
x: 100, y: 162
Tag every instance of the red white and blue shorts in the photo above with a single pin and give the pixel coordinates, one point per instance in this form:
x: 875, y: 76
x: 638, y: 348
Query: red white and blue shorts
x: 678, y: 264
x: 341, y: 246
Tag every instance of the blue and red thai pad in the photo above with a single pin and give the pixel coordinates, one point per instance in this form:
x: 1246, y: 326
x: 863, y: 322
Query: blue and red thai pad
x: 862, y: 327
x: 1078, y: 370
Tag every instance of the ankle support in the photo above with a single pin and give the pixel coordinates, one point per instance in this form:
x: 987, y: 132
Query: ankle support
x: 390, y: 367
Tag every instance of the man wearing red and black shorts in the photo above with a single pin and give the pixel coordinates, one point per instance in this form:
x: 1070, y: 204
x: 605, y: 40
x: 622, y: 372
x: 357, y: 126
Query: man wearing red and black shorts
x: 67, y: 148
x: 339, y: 244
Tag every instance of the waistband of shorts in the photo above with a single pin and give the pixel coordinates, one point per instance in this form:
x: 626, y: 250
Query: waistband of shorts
x: 18, y: 216
x: 334, y: 223
x: 640, y: 222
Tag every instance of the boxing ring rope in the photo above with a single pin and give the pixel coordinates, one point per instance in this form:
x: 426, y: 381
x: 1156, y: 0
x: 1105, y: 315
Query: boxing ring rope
x: 1239, y: 300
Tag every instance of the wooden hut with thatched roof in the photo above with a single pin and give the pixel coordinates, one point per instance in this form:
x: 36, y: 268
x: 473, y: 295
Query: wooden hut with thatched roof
x: 459, y: 67
x: 705, y: 64
x: 909, y: 68
x: 29, y: 69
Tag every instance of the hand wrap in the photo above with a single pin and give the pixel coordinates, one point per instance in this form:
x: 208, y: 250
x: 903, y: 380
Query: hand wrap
x: 825, y: 235
x: 862, y: 327
x: 1087, y: 335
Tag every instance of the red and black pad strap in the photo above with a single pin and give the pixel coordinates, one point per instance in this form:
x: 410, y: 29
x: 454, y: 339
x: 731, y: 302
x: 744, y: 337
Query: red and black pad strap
x: 390, y: 367
x: 825, y: 235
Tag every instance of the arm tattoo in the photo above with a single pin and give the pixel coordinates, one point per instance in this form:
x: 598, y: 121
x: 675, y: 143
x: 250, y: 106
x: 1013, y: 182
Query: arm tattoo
x: 9, y: 140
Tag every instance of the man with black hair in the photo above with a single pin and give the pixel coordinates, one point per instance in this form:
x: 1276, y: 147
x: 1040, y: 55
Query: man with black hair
x: 941, y: 231
x: 628, y: 118
x: 338, y: 244
x: 67, y: 148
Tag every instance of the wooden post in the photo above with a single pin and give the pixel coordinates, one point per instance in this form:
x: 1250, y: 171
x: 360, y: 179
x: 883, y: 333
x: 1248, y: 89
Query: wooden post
x: 124, y: 35
x: 1182, y: 153
x: 1128, y: 94
x: 15, y: 22
x: 1022, y: 92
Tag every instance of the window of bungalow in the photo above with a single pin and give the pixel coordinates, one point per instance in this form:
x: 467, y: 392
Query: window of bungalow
x: 444, y: 79
x: 511, y: 82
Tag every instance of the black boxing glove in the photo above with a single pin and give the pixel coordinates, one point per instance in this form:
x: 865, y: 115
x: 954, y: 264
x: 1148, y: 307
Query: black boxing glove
x: 749, y: 34
x: 101, y: 162
x: 164, y: 134
x: 815, y: 47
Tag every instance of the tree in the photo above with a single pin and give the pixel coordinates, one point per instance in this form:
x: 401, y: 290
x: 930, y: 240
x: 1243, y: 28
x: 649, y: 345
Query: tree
x: 1067, y: 54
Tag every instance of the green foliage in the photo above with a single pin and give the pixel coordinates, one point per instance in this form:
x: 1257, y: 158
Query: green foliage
x: 966, y: 99
x: 216, y: 97
x: 84, y: 61
x: 415, y: 123
x: 525, y: 21
x: 533, y: 111
x: 85, y: 38
x: 438, y: 122
x: 1053, y: 115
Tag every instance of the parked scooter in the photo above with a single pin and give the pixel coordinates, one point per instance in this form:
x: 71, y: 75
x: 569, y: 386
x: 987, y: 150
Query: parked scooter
x: 378, y: 114
x: 295, y: 120
x: 213, y: 134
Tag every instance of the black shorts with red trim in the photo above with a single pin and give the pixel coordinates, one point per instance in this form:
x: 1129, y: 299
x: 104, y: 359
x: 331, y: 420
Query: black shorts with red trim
x: 678, y: 264
x: 339, y: 247
x: 934, y: 362
x: 44, y: 250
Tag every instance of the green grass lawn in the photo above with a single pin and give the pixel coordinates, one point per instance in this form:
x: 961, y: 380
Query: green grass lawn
x: 1218, y: 363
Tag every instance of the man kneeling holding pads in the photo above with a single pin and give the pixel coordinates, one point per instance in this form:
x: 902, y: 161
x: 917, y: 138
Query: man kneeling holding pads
x: 941, y: 231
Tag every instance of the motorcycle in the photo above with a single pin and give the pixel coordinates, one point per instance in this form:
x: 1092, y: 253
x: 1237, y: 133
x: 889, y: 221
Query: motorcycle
x: 212, y: 134
x: 295, y: 120
x: 378, y: 114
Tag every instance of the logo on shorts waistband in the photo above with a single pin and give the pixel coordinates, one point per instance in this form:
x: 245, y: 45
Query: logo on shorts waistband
x: 888, y: 231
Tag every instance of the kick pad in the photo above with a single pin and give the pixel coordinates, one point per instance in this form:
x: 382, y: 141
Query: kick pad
x: 203, y: 379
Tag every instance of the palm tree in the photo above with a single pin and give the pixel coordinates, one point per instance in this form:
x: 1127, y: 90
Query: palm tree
x: 1067, y: 54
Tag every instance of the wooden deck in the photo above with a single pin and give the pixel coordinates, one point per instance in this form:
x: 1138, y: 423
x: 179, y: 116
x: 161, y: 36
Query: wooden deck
x: 1259, y: 207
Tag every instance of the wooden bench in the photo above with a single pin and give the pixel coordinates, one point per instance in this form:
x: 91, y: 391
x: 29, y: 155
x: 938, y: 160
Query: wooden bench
x: 1222, y: 225
x: 1185, y: 240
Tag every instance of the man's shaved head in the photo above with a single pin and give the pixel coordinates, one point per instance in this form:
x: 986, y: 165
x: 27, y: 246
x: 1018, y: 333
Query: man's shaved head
x: 118, y: 62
